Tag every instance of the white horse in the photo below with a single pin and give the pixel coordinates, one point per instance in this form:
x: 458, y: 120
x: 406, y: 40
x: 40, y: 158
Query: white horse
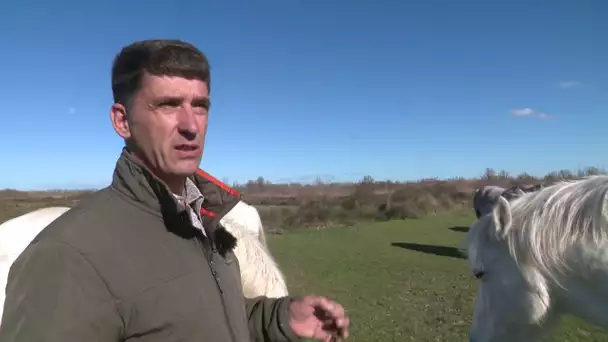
x: 260, y: 274
x: 539, y: 257
x: 247, y: 217
x: 486, y: 196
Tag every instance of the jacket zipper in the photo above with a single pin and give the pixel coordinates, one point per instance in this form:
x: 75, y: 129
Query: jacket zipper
x: 214, y: 271
x: 211, y: 264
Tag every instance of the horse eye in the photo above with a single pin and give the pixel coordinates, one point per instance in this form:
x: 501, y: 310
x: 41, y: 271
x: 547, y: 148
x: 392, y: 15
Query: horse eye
x: 479, y: 274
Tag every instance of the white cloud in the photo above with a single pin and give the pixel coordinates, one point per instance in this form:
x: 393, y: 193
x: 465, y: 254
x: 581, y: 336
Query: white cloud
x: 568, y: 84
x: 522, y: 112
x: 530, y: 112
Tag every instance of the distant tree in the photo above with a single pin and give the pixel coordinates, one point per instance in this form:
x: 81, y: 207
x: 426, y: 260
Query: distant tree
x: 489, y: 174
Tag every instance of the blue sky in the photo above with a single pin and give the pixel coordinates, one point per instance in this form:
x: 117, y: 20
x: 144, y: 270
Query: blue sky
x: 395, y: 89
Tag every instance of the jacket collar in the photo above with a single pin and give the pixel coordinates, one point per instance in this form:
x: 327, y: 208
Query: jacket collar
x: 136, y: 181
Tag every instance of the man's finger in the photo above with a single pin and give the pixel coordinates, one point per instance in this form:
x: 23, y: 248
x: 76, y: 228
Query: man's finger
x: 334, y: 309
x: 343, y: 324
x: 322, y: 333
x: 340, y: 321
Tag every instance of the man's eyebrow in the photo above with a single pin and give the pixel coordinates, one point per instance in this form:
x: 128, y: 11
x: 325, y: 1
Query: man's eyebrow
x: 202, y: 101
x: 175, y: 100
x: 167, y: 100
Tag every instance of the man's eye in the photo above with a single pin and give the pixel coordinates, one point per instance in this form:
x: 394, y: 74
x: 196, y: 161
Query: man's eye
x: 168, y: 105
x: 202, y: 105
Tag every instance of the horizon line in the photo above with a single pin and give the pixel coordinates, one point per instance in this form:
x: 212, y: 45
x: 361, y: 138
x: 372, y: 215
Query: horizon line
x: 319, y: 180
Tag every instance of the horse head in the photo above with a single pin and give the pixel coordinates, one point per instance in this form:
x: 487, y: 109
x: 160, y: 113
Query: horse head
x: 539, y: 256
x: 511, y: 303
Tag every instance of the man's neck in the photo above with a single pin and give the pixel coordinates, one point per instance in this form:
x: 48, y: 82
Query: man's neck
x: 177, y: 187
x: 175, y: 184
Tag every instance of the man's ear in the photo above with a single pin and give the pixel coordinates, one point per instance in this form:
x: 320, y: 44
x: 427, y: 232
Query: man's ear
x: 118, y: 116
x: 502, y: 217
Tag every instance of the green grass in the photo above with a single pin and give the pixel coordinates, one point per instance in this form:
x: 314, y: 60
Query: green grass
x: 395, y: 293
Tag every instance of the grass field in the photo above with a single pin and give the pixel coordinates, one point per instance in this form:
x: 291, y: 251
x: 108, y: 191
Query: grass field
x: 399, y: 280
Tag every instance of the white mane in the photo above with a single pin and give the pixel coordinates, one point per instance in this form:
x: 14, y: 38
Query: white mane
x: 546, y: 223
x: 260, y: 275
x: 248, y: 218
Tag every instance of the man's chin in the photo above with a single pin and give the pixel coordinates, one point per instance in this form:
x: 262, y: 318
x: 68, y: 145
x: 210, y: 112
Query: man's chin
x: 185, y: 169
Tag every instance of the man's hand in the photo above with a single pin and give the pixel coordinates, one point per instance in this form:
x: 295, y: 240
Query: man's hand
x: 319, y: 318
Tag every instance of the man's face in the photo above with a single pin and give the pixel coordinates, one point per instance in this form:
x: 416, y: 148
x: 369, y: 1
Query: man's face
x: 166, y: 124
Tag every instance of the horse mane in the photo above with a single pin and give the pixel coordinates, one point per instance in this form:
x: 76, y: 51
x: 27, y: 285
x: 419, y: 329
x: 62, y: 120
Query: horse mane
x: 260, y: 275
x: 548, y: 222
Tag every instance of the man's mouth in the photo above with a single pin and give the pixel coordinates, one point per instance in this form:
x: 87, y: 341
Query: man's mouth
x: 186, y: 147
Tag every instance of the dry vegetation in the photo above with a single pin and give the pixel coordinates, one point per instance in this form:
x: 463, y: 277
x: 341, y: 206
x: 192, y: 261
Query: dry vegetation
x: 292, y: 206
x: 14, y: 203
x: 318, y: 205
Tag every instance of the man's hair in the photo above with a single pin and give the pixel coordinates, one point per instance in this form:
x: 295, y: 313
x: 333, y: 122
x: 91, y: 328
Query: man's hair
x: 158, y: 57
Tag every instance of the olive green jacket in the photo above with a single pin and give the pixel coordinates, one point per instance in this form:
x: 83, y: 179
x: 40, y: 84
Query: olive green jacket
x: 127, y: 265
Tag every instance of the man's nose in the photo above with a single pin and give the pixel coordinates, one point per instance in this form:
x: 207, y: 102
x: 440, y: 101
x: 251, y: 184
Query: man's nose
x: 187, y: 121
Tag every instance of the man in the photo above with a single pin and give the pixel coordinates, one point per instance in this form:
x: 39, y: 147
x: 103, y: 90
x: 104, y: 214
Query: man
x: 137, y: 261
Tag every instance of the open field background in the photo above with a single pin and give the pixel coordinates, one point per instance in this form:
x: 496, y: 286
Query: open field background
x: 401, y: 280
x: 386, y: 250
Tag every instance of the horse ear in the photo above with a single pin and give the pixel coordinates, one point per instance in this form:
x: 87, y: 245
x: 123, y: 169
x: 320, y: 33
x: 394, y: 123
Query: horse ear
x: 502, y: 217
